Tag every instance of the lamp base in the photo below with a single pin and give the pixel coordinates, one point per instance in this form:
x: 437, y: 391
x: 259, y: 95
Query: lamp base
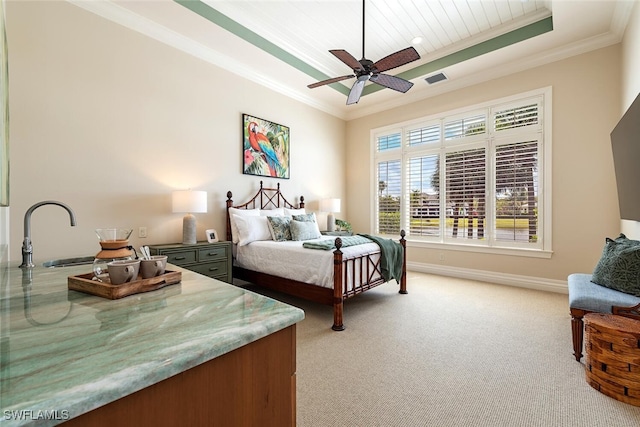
x: 331, y: 222
x: 189, y: 229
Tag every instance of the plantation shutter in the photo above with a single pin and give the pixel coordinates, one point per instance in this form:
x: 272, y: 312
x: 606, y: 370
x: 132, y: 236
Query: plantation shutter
x: 388, y: 142
x: 464, y: 127
x: 389, y: 195
x: 465, y: 173
x: 424, y: 198
x: 520, y: 116
x: 517, y: 192
x: 423, y: 135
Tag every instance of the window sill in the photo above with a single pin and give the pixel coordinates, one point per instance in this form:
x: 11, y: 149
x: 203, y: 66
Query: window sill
x: 530, y: 253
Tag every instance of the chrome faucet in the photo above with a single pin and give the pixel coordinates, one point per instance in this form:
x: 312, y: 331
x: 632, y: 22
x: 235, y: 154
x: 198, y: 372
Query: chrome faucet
x: 27, y: 247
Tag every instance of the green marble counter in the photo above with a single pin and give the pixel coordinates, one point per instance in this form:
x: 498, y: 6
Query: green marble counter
x: 64, y: 353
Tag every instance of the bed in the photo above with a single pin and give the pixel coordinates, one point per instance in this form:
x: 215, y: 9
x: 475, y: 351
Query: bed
x: 324, y: 276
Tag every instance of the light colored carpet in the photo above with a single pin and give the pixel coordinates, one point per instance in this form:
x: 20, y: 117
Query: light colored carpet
x: 452, y: 352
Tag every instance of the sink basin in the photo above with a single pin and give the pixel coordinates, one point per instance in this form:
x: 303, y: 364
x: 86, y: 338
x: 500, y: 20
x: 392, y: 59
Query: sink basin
x: 67, y: 262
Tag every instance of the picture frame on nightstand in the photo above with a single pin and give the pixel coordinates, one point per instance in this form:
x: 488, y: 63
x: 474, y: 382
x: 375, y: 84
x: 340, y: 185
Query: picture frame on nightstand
x: 212, y: 235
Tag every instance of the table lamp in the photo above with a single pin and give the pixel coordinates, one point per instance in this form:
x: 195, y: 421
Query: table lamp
x: 330, y: 206
x: 189, y: 202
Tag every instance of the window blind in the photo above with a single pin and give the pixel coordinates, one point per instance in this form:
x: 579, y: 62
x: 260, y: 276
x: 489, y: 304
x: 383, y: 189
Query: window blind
x: 389, y: 193
x: 424, y: 197
x: 465, y: 174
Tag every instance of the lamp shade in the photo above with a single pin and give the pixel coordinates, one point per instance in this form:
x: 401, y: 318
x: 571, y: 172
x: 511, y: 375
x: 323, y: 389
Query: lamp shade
x: 188, y: 201
x: 330, y: 205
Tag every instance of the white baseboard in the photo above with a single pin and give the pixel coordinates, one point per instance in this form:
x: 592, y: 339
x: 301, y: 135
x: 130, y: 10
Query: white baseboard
x: 538, y: 283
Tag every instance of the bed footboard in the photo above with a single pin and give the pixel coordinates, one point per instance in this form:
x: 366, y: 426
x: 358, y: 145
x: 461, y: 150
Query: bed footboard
x: 366, y: 273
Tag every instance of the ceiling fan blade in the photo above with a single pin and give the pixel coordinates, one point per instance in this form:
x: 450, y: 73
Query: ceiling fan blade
x: 329, y: 81
x: 392, y: 82
x: 397, y: 59
x: 356, y: 90
x: 347, y: 58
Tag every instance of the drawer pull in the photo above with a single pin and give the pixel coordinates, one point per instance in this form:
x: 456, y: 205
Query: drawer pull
x: 212, y: 254
x: 180, y: 258
x: 213, y: 269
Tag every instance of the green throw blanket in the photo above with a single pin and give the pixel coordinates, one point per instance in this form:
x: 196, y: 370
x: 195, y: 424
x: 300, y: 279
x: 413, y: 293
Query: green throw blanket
x: 328, y: 244
x: 391, y: 252
x: 391, y: 256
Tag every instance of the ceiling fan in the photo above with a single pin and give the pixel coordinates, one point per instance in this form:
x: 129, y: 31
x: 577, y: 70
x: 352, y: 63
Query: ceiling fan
x: 365, y: 69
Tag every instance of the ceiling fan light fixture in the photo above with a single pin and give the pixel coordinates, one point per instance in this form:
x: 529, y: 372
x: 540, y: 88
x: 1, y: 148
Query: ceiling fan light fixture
x: 416, y: 40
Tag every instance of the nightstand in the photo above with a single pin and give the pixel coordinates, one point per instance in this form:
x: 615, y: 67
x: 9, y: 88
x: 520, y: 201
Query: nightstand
x: 209, y: 259
x: 336, y: 233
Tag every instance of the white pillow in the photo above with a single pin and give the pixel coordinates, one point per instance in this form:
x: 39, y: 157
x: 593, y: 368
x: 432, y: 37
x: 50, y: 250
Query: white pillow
x: 272, y: 212
x: 239, y: 212
x: 304, y: 230
x: 252, y: 228
x: 289, y: 212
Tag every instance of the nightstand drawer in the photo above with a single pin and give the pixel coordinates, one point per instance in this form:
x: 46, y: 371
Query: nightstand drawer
x: 205, y: 255
x: 211, y: 259
x: 211, y: 269
x: 182, y: 257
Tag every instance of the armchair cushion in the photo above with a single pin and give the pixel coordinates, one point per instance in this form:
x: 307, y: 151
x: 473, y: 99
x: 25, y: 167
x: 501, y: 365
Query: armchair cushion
x: 586, y: 295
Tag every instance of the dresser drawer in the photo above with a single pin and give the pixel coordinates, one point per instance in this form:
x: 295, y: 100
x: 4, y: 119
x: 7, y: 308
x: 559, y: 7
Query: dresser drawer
x: 182, y: 257
x: 210, y: 259
x: 205, y: 255
x: 211, y: 269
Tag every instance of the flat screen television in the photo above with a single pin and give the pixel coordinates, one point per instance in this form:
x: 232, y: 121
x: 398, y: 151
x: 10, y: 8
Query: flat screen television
x: 625, y: 144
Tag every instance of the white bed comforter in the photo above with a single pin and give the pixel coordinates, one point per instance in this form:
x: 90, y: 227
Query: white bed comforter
x: 290, y: 260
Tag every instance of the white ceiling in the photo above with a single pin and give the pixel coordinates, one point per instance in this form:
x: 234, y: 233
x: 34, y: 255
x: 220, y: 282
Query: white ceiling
x: 284, y: 44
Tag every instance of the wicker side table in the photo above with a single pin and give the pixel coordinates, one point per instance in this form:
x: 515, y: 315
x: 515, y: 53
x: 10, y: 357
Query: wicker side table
x: 612, y: 363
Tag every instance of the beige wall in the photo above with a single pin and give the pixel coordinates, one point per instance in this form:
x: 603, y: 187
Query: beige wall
x: 586, y: 95
x: 631, y: 87
x: 110, y: 122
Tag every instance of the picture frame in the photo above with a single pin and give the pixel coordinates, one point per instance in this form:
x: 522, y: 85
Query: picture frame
x: 265, y: 148
x: 212, y: 235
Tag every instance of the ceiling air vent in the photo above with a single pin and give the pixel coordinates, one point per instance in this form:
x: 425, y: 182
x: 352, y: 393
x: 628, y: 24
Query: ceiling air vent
x: 436, y: 78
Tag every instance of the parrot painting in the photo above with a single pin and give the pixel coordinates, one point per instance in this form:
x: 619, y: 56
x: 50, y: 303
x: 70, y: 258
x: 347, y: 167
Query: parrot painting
x: 263, y: 146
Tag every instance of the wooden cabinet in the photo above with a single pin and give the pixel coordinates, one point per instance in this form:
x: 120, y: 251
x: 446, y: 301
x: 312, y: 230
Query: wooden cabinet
x: 254, y: 385
x: 209, y: 259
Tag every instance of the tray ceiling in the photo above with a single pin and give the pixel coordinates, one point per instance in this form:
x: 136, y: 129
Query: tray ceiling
x: 284, y: 44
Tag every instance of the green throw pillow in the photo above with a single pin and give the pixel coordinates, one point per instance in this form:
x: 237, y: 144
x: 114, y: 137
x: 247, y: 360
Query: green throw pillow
x: 304, y: 230
x: 279, y: 227
x: 310, y: 217
x: 619, y: 265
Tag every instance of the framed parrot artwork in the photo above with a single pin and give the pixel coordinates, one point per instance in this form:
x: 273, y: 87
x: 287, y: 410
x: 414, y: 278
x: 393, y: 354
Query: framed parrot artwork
x: 265, y: 148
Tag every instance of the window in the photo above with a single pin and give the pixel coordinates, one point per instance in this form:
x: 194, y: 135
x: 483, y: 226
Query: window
x: 472, y: 178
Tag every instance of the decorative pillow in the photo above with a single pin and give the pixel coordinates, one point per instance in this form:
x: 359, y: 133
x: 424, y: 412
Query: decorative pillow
x: 305, y: 217
x: 279, y: 227
x: 304, y: 230
x: 272, y: 212
x: 241, y: 212
x: 252, y: 228
x: 619, y: 266
x: 290, y: 212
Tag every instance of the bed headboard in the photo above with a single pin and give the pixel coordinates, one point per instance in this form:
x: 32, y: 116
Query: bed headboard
x: 265, y: 198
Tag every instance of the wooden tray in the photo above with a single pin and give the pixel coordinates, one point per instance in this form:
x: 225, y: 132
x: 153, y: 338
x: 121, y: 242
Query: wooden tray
x: 84, y: 283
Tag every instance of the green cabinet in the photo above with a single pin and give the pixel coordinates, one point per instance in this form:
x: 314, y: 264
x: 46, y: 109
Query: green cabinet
x: 209, y: 259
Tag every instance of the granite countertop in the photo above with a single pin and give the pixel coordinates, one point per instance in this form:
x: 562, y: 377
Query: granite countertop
x: 64, y: 353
